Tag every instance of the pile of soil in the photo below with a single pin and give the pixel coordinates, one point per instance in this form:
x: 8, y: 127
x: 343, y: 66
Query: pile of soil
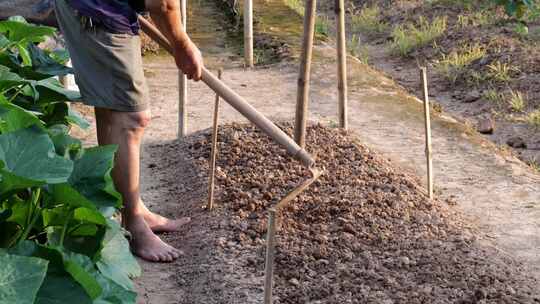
x: 363, y: 233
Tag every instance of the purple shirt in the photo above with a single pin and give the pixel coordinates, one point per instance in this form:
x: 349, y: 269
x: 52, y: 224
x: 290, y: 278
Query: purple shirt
x: 116, y: 15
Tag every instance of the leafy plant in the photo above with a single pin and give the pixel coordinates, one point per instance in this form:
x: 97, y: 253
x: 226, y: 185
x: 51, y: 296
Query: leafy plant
x: 533, y: 119
x: 501, y: 72
x: 410, y: 37
x: 516, y: 101
x: 368, y: 21
x: 454, y: 65
x: 58, y: 243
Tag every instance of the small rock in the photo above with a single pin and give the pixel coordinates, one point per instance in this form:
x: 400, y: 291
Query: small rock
x: 486, y: 126
x: 516, y: 142
x: 472, y: 96
x: 294, y: 282
x: 405, y: 260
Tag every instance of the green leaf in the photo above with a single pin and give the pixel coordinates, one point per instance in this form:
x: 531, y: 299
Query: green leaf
x: 61, y: 289
x: 24, y: 53
x: 91, y: 176
x: 114, y: 293
x: 82, y: 270
x: 116, y: 261
x: 16, y: 31
x: 76, y: 118
x: 13, y: 117
x: 65, y: 144
x: 43, y: 63
x: 27, y: 157
x: 20, y: 278
x: 88, y: 215
x: 51, y: 90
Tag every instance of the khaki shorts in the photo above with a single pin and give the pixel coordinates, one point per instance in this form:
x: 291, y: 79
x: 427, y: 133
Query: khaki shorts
x: 108, y: 67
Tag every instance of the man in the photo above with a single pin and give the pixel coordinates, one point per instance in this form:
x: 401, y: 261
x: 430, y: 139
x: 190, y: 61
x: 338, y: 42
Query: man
x: 101, y: 36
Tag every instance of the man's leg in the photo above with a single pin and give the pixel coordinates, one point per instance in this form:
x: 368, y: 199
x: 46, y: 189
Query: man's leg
x: 126, y: 130
x: 156, y: 222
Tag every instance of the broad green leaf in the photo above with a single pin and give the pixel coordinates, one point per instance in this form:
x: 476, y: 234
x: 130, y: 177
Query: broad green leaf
x: 55, y: 216
x: 83, y: 271
x: 65, y: 144
x: 76, y: 118
x: 9, y: 79
x: 20, y: 212
x: 114, y: 293
x: 17, y: 31
x: 24, y: 53
x: 116, y: 261
x: 61, y: 289
x: 43, y: 63
x: 66, y: 194
x: 91, y: 176
x: 85, y: 230
x: 88, y: 215
x: 28, y: 156
x: 51, y: 90
x: 13, y: 117
x: 20, y: 278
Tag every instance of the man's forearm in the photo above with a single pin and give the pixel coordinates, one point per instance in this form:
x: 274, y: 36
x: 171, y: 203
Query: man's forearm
x: 166, y: 14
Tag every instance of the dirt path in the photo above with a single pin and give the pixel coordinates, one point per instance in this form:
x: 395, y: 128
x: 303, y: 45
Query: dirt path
x: 499, y: 193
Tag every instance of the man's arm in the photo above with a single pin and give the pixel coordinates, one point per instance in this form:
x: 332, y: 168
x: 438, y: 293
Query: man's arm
x: 166, y: 14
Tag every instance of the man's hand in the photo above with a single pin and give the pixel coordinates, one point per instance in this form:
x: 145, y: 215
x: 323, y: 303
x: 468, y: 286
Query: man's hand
x: 189, y: 60
x: 166, y: 15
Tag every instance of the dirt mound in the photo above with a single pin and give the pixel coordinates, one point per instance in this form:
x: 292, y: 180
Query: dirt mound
x: 363, y: 233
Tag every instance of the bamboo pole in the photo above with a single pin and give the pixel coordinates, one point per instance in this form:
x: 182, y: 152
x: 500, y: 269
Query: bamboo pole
x: 182, y: 83
x: 212, y: 174
x: 339, y: 8
x: 248, y: 33
x: 237, y: 102
x: 269, y: 265
x: 429, y: 157
x: 302, y: 100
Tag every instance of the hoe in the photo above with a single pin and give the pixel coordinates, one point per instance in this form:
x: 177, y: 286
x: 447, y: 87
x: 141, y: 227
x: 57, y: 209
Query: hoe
x: 268, y: 127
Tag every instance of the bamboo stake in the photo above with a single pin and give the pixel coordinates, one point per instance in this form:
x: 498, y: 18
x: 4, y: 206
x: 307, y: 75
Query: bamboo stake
x: 269, y: 265
x: 305, y: 71
x: 248, y: 32
x: 339, y: 8
x: 429, y: 157
x: 182, y: 83
x: 214, y: 150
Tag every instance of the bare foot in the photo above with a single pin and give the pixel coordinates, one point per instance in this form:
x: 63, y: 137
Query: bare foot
x: 147, y: 245
x: 160, y: 224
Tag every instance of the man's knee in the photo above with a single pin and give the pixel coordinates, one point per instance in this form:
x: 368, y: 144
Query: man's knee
x: 132, y: 121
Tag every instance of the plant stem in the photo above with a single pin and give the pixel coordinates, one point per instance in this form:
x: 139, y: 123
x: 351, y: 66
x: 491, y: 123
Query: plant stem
x: 64, y: 229
x: 35, y: 216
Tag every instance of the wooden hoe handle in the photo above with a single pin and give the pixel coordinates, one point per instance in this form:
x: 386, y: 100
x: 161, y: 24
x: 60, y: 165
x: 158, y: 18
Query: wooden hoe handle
x: 237, y: 102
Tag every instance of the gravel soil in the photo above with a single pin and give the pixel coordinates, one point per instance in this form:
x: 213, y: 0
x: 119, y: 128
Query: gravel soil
x: 363, y: 233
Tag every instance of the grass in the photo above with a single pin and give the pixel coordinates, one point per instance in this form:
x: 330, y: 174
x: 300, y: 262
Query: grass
x: 411, y: 37
x: 516, y: 101
x: 455, y: 64
x: 493, y: 96
x: 534, y: 165
x: 500, y: 72
x: 476, y: 19
x: 368, y: 21
x: 533, y: 119
x: 296, y: 5
x: 355, y: 48
x: 322, y: 26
